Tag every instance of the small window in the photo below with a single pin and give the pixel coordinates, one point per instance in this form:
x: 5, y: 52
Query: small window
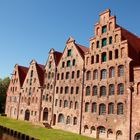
x: 112, y: 72
x: 98, y: 44
x: 120, y: 89
x: 73, y: 73
x: 62, y: 76
x: 61, y: 90
x: 88, y: 91
x: 74, y: 121
x: 63, y: 64
x: 94, y: 107
x: 95, y: 90
x: 88, y: 75
x: 74, y: 62
x: 66, y: 90
x: 69, y: 52
x: 102, y: 109
x: 110, y: 40
x: 116, y: 54
x: 110, y: 55
x: 77, y: 90
x: 67, y: 75
x: 95, y: 74
x: 31, y: 73
x: 120, y: 70
x: 104, y: 58
x: 65, y: 103
x: 120, y: 108
x: 104, y: 42
x: 50, y: 64
x: 72, y: 89
x: 78, y: 73
x: 103, y: 74
x: 92, y: 59
x: 104, y: 29
x: 103, y: 91
x: 68, y: 63
x: 111, y: 89
x: 97, y: 58
x: 87, y: 107
x: 111, y: 108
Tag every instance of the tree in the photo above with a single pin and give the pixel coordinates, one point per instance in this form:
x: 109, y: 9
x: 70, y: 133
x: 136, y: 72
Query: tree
x: 3, y: 89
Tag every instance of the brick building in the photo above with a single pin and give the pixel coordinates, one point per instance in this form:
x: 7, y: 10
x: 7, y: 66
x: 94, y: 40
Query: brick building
x: 91, y: 91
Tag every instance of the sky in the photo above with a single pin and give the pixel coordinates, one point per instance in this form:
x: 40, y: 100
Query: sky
x: 30, y: 28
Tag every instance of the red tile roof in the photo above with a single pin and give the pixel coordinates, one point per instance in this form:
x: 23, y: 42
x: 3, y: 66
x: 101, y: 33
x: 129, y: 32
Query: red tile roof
x: 22, y: 74
x: 57, y: 57
x: 40, y: 70
x: 82, y: 49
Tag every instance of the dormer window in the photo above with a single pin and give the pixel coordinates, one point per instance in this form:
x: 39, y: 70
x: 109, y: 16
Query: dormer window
x: 69, y: 52
x: 104, y: 29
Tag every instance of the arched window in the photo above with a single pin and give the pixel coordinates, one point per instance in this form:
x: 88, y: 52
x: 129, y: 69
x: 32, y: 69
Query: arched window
x: 66, y: 90
x: 104, y: 57
x: 71, y: 104
x: 88, y: 75
x: 137, y: 136
x: 87, y: 90
x: 102, y: 109
x: 111, y: 108
x: 73, y: 62
x: 76, y: 105
x: 75, y: 121
x: 94, y: 108
x: 61, y: 90
x: 92, y: 129
x: 104, y: 42
x: 68, y: 120
x: 60, y: 103
x: 97, y: 58
x: 67, y: 75
x: 120, y: 108
x: 111, y: 72
x: 65, y: 103
x: 61, y: 118
x: 72, y: 76
x: 95, y: 91
x: 110, y: 55
x: 103, y: 74
x: 87, y: 107
x: 116, y: 53
x: 120, y: 89
x: 58, y: 76
x: 32, y: 73
x: 110, y: 133
x: 86, y: 129
x: 92, y: 59
x: 119, y: 135
x: 98, y: 31
x: 77, y: 90
x: 62, y: 76
x: 103, y: 91
x: 72, y: 89
x: 78, y: 73
x: 57, y: 89
x: 95, y: 74
x: 111, y: 89
x: 120, y: 70
x: 101, y: 129
x: 29, y: 101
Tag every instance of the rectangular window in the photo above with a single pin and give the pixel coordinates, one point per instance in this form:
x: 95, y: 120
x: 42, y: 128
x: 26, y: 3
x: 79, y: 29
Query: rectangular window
x: 69, y: 52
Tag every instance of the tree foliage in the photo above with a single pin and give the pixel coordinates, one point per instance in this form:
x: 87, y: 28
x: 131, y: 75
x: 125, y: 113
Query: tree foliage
x: 4, y: 83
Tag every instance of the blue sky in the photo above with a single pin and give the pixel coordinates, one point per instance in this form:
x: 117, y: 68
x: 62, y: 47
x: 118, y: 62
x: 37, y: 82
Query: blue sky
x: 29, y: 28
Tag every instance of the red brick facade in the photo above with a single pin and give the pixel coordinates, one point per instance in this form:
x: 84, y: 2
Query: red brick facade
x: 91, y: 91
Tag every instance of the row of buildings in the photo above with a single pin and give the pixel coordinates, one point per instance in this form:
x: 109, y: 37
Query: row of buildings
x: 91, y: 91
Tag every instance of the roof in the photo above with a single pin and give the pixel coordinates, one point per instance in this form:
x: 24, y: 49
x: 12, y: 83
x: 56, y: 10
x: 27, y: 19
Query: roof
x: 82, y: 49
x: 57, y: 57
x: 22, y: 74
x: 40, y: 70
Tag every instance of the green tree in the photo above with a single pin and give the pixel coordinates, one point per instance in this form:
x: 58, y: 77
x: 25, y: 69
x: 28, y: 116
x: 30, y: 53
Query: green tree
x: 3, y: 89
